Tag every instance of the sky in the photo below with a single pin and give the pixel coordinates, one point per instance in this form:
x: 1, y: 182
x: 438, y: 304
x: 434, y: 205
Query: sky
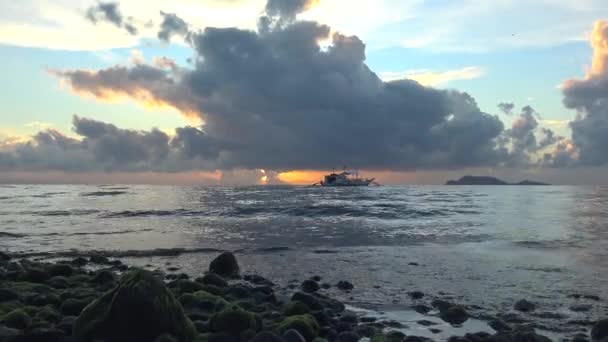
x: 281, y: 91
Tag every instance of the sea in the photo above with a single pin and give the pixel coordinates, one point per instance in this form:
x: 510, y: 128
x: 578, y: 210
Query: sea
x: 484, y: 247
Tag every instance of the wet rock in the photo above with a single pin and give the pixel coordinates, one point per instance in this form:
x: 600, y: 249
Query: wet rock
x: 394, y: 336
x: 499, y: 325
x: 165, y: 338
x: 43, y: 334
x: 592, y: 297
x: 415, y: 294
x: 66, y: 324
x: 550, y: 315
x: 185, y: 286
x: 293, y: 335
x: 73, y: 307
x: 80, y: 261
x: 47, y: 314
x: 512, y: 318
x: 309, y: 286
x: 62, y: 270
x: 58, y: 282
x: 4, y: 257
x: 316, y: 278
x: 413, y: 264
x: 349, y: 317
x: 368, y: 319
x: 9, y: 334
x: 416, y: 339
x: 599, y: 332
x: 441, y: 304
x: 422, y: 309
x: 139, y: 308
x: 345, y: 285
x: 393, y: 324
x: 266, y: 336
x: 99, y: 259
x: 325, y: 286
x: 524, y: 306
x: 103, y: 277
x: 35, y: 275
x: 434, y: 330
x: 426, y: 323
x: 366, y: 330
x: 233, y: 320
x: 225, y: 265
x: 343, y: 326
x: 306, y: 325
x: 454, y: 315
x: 580, y: 308
x: 296, y: 308
x: 9, y: 294
x: 213, y: 279
x: 43, y: 299
x: 17, y: 319
x: 312, y: 302
x: 347, y: 336
x: 579, y: 338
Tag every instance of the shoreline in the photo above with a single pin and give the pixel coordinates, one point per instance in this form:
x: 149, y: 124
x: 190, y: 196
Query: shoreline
x: 42, y: 302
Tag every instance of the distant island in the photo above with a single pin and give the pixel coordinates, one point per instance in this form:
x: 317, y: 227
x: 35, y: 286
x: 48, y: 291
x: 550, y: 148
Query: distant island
x: 486, y: 180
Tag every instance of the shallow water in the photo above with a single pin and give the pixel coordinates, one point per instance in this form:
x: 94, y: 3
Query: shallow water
x: 485, y: 247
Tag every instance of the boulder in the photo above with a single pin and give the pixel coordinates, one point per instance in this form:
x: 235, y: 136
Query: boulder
x: 306, y: 325
x: 347, y: 336
x: 99, y: 259
x: 599, y: 332
x: 293, y: 335
x: 17, y: 319
x: 73, y: 306
x: 9, y: 334
x: 225, y: 265
x: 454, y: 315
x: 233, y: 320
x: 345, y: 285
x: 62, y: 270
x: 309, y: 286
x: 524, y: 306
x: 139, y: 309
x: 416, y: 294
x: 213, y: 279
x: 266, y: 336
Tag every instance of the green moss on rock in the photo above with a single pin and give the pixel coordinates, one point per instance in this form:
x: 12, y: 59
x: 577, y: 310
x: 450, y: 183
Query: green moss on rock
x: 139, y: 309
x: 306, y: 325
x: 234, y: 320
x: 17, y: 319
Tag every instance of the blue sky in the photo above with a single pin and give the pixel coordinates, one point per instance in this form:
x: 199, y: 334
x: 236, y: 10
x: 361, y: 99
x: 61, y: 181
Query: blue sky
x: 498, y: 51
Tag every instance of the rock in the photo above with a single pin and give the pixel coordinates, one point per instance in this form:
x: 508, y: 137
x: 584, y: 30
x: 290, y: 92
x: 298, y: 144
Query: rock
x: 309, y: 286
x: 499, y: 325
x: 579, y: 338
x: 422, y: 309
x: 591, y: 297
x: 599, y: 332
x: 524, y: 306
x: 186, y: 286
x: 441, y: 304
x: 233, y: 320
x: 454, y: 315
x: 47, y: 314
x: 306, y: 325
x: 345, y: 285
x: 58, y: 282
x: 316, y: 278
x: 43, y: 299
x: 325, y: 286
x: 4, y: 257
x: 99, y: 259
x: 393, y: 324
x: 17, y: 319
x: 349, y: 317
x: 103, y: 277
x: 295, y: 308
x: 312, y: 302
x: 366, y: 330
x: 435, y: 330
x: 139, y: 308
x: 213, y: 279
x: 73, y: 307
x: 9, y: 334
x: 62, y: 270
x: 66, y: 324
x: 347, y: 336
x: 426, y: 323
x: 293, y: 335
x: 394, y: 336
x: 368, y: 319
x: 225, y: 265
x: 35, y: 275
x: 43, y: 335
x: 80, y: 261
x: 415, y: 294
x: 9, y: 294
x: 580, y: 308
x: 266, y: 336
x: 165, y: 338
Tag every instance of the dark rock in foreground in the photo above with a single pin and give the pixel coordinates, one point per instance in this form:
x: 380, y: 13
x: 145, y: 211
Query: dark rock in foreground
x: 139, y: 309
x: 225, y: 265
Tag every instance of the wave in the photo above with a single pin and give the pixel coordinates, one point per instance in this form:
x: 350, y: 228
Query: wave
x: 144, y: 213
x: 73, y: 212
x: 103, y: 193
x: 11, y: 235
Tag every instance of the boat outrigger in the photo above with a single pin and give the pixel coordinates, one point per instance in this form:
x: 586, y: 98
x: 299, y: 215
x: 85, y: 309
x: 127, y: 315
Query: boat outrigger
x: 345, y: 178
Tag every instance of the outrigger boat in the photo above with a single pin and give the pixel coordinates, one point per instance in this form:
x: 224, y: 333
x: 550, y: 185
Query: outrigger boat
x: 345, y: 178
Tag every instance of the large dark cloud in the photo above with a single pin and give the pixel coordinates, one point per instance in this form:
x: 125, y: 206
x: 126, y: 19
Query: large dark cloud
x: 172, y: 25
x: 589, y: 97
x: 275, y: 99
x: 110, y: 12
x: 104, y: 147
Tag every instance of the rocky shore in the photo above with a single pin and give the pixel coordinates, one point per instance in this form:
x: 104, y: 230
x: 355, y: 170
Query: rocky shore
x: 98, y: 299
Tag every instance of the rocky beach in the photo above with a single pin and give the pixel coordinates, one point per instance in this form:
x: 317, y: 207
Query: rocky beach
x: 96, y: 298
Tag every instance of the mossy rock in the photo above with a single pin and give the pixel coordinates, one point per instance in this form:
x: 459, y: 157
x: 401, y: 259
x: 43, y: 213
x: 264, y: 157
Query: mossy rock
x: 9, y: 306
x: 296, y: 308
x: 17, y: 319
x: 234, y: 320
x: 185, y: 286
x: 35, y: 275
x: 47, y: 314
x: 306, y: 325
x: 379, y: 337
x: 139, y: 309
x: 202, y: 300
x: 73, y: 306
x: 62, y: 270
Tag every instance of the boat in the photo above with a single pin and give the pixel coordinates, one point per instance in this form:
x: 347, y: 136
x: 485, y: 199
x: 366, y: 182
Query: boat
x: 345, y: 178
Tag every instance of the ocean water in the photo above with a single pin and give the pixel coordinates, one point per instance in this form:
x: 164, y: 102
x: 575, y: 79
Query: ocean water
x: 482, y: 246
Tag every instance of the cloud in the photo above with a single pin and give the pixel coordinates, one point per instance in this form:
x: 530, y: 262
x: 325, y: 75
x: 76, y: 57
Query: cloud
x: 172, y: 25
x: 589, y: 97
x: 506, y: 108
x: 276, y: 100
x: 434, y: 78
x: 110, y: 12
x: 103, y: 147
